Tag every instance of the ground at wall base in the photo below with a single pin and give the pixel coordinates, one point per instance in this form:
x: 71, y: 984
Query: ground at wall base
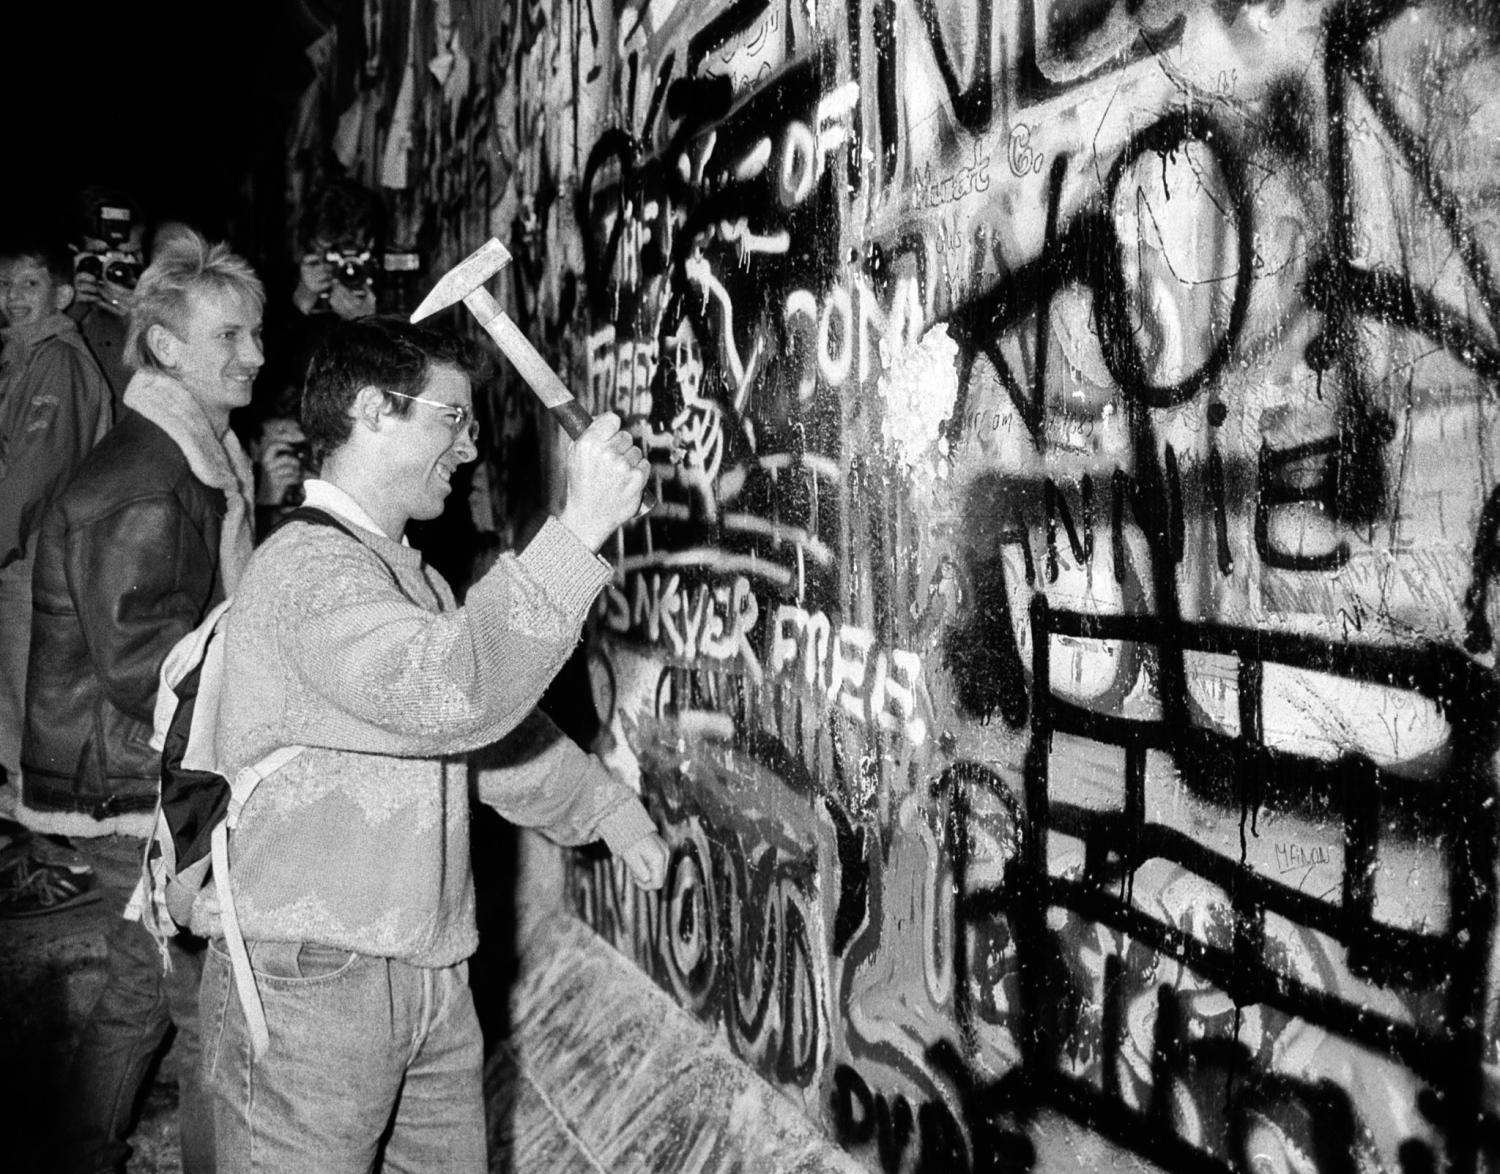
x: 594, y: 1068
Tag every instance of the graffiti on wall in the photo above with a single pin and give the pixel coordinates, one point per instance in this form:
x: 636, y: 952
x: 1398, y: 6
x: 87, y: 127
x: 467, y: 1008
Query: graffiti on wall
x: 1062, y: 661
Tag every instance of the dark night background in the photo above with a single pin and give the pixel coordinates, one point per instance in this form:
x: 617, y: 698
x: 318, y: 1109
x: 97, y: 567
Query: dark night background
x: 182, y: 103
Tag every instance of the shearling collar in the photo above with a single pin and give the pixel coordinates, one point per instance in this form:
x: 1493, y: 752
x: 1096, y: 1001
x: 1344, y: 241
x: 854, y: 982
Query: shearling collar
x: 218, y: 462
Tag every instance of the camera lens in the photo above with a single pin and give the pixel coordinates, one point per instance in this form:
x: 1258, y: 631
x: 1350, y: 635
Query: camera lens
x: 123, y: 273
x: 350, y: 269
x: 89, y: 264
x: 351, y: 274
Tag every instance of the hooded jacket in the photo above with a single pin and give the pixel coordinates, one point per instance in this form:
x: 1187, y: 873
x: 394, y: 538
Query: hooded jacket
x: 152, y: 532
x: 54, y: 407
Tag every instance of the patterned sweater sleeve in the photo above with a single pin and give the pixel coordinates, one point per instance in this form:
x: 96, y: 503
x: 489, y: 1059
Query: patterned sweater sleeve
x: 539, y: 777
x: 397, y: 678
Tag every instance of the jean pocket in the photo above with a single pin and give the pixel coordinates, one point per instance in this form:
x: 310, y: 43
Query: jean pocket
x: 315, y: 961
x: 298, y: 963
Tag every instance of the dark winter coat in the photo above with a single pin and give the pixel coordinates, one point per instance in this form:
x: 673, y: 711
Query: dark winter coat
x: 127, y: 562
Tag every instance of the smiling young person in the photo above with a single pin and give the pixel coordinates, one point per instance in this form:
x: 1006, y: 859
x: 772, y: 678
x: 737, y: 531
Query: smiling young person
x: 151, y: 533
x: 351, y: 871
x: 54, y: 407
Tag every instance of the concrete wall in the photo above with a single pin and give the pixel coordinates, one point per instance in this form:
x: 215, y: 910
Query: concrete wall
x: 1061, y: 664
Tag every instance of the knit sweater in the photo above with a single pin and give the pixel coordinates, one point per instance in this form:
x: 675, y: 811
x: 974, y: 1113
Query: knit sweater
x: 356, y: 650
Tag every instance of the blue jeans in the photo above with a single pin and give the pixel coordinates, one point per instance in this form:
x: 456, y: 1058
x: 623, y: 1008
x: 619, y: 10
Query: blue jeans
x: 361, y: 1047
x: 137, y: 1009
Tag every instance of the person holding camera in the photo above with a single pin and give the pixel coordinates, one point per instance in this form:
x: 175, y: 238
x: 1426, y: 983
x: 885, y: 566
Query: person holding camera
x: 340, y: 239
x: 108, y: 236
x: 282, y: 460
x: 335, y: 279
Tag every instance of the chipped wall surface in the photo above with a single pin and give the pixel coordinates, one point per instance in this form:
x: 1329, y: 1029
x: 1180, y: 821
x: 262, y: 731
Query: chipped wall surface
x: 1061, y: 662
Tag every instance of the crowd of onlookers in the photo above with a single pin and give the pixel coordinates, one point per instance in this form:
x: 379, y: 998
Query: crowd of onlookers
x: 75, y: 314
x: 68, y: 284
x: 171, y: 441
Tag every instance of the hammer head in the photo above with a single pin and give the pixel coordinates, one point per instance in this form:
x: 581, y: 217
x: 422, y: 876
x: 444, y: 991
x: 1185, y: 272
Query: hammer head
x: 464, y: 278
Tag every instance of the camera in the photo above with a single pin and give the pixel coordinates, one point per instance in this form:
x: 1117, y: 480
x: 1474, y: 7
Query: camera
x: 113, y: 265
x: 295, y: 494
x: 353, y: 270
x: 115, y: 262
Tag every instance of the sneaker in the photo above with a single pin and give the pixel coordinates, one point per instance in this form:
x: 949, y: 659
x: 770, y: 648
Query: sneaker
x: 58, y: 851
x: 30, y: 887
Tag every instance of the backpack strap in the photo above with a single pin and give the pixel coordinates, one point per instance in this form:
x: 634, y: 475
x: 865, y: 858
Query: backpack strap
x: 241, y: 787
x: 313, y: 516
x: 234, y: 938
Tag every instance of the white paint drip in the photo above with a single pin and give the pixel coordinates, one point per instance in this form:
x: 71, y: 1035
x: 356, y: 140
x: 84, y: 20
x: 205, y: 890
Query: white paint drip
x: 918, y: 388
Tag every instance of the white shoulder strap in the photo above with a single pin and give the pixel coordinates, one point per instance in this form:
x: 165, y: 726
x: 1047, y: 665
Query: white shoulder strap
x: 202, y: 748
x: 243, y: 785
x: 240, y: 789
x: 239, y: 956
x: 183, y: 655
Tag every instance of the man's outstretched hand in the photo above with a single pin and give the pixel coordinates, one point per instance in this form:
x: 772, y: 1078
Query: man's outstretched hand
x: 647, y: 861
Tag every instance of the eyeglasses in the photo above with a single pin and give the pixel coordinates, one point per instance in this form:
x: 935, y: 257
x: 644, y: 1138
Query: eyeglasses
x: 460, y: 416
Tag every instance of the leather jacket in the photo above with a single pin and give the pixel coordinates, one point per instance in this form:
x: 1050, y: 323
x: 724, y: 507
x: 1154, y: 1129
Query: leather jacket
x: 126, y: 564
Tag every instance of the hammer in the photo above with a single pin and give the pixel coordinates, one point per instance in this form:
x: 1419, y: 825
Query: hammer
x: 465, y: 282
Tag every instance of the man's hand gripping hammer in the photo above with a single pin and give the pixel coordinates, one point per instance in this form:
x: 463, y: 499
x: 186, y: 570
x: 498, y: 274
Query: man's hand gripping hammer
x: 465, y: 282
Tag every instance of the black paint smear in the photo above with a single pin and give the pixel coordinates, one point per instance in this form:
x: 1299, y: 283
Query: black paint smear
x: 859, y: 1114
x: 618, y: 147
x: 1486, y: 566
x: 1414, y: 152
x: 1033, y: 86
x: 1120, y: 492
x: 894, y: 1126
x: 1176, y: 523
x: 1044, y: 294
x: 973, y: 106
x: 854, y: 877
x: 1117, y: 338
x: 1220, y: 508
x: 703, y: 99
x: 792, y: 1068
x: 1070, y: 25
x: 1087, y: 251
x: 887, y: 83
x: 1371, y: 807
x: 1055, y: 509
x: 1287, y: 118
x: 981, y: 652
x: 1308, y: 472
x: 1112, y: 1026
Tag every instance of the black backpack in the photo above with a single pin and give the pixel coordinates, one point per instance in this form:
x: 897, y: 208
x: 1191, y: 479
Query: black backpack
x: 198, y: 806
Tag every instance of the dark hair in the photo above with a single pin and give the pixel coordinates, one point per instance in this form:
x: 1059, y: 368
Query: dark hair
x: 384, y: 352
x: 344, y: 214
x: 45, y: 248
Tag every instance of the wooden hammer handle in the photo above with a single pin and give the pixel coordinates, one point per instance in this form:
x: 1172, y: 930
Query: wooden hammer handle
x: 574, y: 420
x: 541, y: 378
x: 572, y: 417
